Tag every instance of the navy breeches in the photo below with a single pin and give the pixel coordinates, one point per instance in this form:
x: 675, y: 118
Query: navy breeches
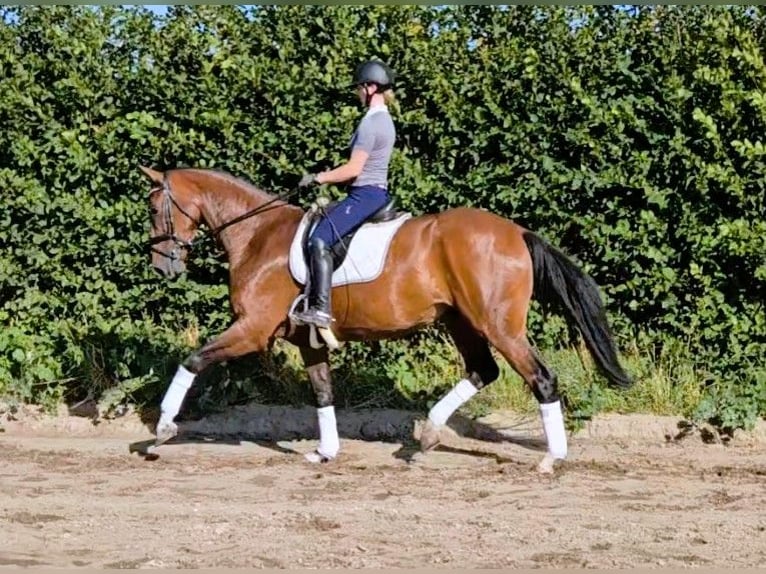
x: 349, y: 214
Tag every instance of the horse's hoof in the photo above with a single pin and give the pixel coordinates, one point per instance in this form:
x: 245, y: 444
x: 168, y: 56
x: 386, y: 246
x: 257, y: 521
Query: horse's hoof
x: 317, y: 458
x: 429, y: 436
x: 165, y: 431
x: 546, y: 465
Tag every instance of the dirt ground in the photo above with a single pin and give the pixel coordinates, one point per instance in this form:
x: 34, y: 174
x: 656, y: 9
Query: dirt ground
x: 234, y: 491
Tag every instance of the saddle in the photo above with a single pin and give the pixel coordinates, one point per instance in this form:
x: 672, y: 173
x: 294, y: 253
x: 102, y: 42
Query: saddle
x: 359, y: 256
x: 339, y: 251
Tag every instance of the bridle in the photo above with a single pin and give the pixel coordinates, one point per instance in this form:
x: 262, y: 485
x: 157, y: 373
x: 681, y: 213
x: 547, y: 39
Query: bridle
x: 166, y: 212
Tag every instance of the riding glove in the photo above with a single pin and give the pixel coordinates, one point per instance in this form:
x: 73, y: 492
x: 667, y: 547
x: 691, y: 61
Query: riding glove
x: 308, y: 180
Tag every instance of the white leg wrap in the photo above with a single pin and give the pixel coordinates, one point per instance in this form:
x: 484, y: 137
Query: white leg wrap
x: 329, y: 444
x: 553, y: 424
x: 459, y: 395
x: 176, y: 393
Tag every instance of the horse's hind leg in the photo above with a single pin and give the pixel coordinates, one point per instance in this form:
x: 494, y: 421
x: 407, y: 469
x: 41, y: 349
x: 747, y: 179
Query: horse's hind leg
x: 238, y: 340
x: 481, y: 369
x: 542, y: 381
x: 318, y: 367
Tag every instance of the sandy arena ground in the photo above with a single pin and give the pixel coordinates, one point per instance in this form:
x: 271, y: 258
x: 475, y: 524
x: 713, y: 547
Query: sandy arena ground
x: 234, y: 491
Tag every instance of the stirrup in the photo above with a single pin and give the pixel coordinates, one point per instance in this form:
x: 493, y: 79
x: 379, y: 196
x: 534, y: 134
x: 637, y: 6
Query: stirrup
x: 316, y: 317
x: 325, y: 332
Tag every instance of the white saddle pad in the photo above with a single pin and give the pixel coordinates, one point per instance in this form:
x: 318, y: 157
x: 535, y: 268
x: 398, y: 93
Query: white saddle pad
x: 366, y: 254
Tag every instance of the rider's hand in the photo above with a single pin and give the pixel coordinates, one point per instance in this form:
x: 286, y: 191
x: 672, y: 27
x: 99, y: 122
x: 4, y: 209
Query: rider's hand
x: 308, y: 180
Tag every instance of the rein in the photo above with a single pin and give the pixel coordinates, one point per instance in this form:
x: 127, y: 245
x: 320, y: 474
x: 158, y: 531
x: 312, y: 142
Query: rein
x: 168, y: 201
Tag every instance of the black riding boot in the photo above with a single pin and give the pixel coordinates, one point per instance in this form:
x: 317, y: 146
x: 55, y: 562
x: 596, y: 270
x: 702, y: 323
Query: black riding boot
x: 319, y: 313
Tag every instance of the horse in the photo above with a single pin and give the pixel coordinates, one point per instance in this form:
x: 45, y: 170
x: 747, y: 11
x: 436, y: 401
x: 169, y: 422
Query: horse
x: 473, y: 271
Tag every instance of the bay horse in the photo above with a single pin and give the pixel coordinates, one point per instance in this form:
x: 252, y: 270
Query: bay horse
x: 474, y: 271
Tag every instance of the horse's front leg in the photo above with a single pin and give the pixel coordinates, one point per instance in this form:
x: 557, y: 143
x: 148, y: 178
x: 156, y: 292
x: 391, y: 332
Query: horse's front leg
x: 240, y: 339
x: 318, y: 366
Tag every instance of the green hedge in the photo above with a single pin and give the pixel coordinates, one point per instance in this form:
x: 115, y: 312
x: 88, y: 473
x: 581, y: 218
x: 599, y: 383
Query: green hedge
x: 631, y: 138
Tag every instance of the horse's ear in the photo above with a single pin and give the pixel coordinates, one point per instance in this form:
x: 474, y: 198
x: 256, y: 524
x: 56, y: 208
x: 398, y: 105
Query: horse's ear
x: 153, y: 174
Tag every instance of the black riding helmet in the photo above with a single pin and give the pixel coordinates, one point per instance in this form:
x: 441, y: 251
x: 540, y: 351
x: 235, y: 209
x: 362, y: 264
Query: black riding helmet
x: 374, y: 72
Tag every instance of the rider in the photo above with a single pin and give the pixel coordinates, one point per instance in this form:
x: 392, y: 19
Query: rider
x: 366, y: 170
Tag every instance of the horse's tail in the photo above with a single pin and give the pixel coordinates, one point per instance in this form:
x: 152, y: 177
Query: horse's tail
x: 561, y: 283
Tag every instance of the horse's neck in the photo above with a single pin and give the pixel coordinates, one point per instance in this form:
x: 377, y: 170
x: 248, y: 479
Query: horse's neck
x: 225, y: 200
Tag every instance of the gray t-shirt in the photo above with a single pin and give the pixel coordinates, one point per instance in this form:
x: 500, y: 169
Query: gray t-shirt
x: 375, y: 135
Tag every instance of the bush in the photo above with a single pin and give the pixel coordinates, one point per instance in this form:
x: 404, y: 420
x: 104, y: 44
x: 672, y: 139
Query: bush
x: 630, y: 138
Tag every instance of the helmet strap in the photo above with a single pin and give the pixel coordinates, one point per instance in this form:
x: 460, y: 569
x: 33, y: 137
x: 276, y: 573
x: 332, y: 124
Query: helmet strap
x: 368, y: 96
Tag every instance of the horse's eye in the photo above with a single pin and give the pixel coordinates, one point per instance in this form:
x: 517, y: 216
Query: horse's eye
x: 153, y: 210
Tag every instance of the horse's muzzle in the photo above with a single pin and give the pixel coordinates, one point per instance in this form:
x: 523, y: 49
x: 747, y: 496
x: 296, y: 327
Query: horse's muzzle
x: 169, y: 268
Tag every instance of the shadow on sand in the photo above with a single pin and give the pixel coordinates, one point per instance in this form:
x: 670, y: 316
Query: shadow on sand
x: 268, y: 426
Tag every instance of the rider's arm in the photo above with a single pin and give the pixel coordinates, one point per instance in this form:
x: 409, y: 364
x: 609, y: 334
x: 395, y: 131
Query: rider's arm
x: 349, y: 170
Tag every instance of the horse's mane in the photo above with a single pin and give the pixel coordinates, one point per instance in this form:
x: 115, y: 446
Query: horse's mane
x: 229, y: 178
